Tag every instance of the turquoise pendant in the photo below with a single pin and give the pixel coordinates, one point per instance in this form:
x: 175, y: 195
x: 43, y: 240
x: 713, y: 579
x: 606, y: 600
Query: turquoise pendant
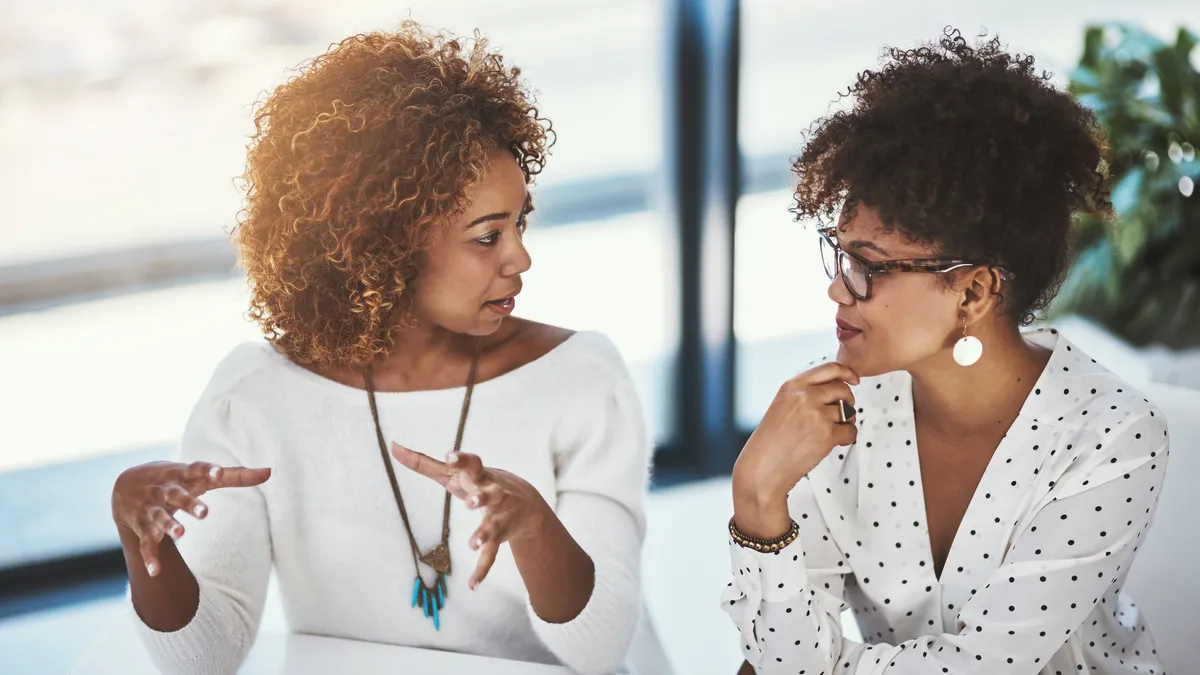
x: 431, y: 600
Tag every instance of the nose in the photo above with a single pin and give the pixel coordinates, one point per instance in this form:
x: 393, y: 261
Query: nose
x: 838, y: 292
x: 516, y: 258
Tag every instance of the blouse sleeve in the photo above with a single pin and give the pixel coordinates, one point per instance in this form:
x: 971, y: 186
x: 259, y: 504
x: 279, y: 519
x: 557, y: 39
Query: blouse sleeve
x: 1080, y: 541
x: 229, y: 553
x: 602, y: 470
x: 787, y: 605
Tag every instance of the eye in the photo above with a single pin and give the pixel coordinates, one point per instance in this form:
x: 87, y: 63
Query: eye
x: 489, y: 239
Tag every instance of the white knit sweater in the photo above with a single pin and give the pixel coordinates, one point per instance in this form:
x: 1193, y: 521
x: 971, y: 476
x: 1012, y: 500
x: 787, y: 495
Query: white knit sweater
x: 569, y: 423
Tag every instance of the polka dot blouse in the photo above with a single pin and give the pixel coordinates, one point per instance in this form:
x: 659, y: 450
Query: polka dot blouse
x: 1032, y: 582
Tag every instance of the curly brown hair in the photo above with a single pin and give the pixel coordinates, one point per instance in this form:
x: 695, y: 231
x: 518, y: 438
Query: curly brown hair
x: 354, y: 164
x: 966, y: 149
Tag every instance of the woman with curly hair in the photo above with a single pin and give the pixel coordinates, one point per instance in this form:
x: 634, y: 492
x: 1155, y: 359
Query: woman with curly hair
x: 398, y: 427
x: 975, y: 494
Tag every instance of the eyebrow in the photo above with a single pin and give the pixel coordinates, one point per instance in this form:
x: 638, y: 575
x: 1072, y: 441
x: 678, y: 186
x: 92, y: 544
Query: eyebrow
x: 502, y: 215
x: 499, y: 215
x: 859, y: 244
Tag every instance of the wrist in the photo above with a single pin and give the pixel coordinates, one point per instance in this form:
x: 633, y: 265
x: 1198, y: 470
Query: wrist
x: 760, y: 513
x: 772, y: 545
x: 539, y: 520
x: 754, y: 491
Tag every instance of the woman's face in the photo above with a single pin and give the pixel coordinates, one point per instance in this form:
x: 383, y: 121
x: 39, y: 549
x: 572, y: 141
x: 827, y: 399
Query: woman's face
x: 469, y: 277
x: 909, y: 319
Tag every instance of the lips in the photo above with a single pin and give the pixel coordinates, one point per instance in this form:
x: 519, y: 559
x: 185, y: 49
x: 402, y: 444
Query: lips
x: 503, y: 306
x: 847, y: 331
x: 504, y: 299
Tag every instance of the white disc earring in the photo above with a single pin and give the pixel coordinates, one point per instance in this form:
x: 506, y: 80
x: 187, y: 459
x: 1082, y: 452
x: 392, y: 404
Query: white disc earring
x: 968, y: 349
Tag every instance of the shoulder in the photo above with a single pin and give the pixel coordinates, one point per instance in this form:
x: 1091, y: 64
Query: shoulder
x: 241, y: 366
x: 521, y: 342
x: 1117, y: 421
x: 581, y: 383
x: 1078, y: 392
x: 1100, y: 415
x: 565, y: 353
x: 230, y: 415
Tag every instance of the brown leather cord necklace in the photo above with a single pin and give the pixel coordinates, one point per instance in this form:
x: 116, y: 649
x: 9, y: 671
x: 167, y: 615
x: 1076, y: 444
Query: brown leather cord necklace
x: 431, y: 599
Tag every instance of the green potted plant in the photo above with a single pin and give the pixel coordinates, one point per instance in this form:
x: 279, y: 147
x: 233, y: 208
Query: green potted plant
x: 1139, y: 275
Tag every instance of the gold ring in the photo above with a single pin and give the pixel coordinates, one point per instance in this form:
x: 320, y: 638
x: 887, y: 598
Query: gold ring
x: 845, y: 412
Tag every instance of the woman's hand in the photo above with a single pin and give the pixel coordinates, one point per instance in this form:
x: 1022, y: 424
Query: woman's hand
x: 512, y: 508
x: 146, y: 497
x: 801, y: 426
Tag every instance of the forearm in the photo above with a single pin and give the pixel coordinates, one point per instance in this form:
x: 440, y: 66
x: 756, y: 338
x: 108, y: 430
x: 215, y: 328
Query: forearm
x: 559, y: 575
x: 199, y: 613
x: 166, y: 602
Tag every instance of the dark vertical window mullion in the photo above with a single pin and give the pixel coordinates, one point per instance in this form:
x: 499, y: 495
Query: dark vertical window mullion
x: 702, y: 172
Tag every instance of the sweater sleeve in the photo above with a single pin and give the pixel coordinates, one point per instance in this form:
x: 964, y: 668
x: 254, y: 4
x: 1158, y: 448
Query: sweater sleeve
x: 229, y: 552
x: 602, y: 468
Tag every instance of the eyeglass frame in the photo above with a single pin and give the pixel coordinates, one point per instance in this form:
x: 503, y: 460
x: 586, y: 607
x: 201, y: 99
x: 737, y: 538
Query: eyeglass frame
x: 923, y: 265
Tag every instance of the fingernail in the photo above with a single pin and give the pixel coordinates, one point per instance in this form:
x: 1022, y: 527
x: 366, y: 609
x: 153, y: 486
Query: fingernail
x: 473, y: 501
x: 214, y: 472
x: 200, y: 511
x: 152, y: 569
x: 177, y: 532
x: 452, y: 458
x: 473, y: 584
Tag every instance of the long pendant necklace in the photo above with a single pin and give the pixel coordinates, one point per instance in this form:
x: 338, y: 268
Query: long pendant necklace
x: 431, y: 598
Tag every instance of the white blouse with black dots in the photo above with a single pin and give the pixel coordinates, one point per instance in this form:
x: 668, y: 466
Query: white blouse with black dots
x: 1032, y: 582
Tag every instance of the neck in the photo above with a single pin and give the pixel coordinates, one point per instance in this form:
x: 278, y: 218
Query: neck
x: 955, y: 400
x: 424, y: 357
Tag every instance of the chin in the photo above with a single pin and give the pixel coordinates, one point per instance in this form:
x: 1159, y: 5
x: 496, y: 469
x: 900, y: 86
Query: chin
x: 479, y: 327
x: 487, y: 326
x: 849, y: 357
x: 856, y: 361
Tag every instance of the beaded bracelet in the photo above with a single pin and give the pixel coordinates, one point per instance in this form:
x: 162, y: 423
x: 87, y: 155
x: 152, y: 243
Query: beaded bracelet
x: 764, y: 545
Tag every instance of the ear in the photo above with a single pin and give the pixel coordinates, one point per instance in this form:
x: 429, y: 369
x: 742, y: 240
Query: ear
x: 979, y: 289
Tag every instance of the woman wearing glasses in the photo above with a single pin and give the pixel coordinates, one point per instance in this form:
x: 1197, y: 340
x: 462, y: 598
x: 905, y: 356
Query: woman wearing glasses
x: 974, y: 494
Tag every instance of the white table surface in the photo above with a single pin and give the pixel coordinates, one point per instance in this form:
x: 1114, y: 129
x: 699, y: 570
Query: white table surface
x: 118, y: 651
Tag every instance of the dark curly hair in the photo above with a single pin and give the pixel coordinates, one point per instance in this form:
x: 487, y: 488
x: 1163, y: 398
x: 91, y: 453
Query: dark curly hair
x: 969, y: 150
x: 354, y: 164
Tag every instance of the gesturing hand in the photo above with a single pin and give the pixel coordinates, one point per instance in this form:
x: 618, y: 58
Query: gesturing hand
x: 512, y: 508
x: 146, y: 497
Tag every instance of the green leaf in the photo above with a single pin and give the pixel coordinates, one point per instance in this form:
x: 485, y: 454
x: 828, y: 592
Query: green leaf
x: 1171, y: 77
x: 1184, y: 42
x: 1093, y: 43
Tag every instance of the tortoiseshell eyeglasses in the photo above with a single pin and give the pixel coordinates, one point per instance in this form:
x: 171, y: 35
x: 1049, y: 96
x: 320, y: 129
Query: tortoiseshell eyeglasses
x: 857, y: 271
